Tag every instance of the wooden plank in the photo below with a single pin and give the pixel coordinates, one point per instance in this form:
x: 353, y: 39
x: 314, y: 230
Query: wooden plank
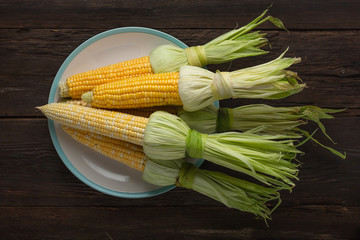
x: 330, y: 69
x: 41, y: 199
x: 302, y: 222
x: 40, y: 52
x: 19, y: 95
x: 26, y: 92
x: 32, y: 174
x: 212, y: 14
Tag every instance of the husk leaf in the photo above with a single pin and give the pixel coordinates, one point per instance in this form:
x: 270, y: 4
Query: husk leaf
x: 267, y: 81
x: 232, y: 192
x: 203, y: 120
x: 274, y: 120
x: 234, y: 44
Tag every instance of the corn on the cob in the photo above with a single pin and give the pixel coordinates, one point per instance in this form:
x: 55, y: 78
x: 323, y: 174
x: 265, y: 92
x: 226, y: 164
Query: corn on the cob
x: 113, y: 124
x: 79, y: 83
x: 130, y: 154
x: 274, y: 120
x: 144, y: 91
x: 196, y: 88
x: 233, y: 192
x: 165, y: 136
x: 168, y: 58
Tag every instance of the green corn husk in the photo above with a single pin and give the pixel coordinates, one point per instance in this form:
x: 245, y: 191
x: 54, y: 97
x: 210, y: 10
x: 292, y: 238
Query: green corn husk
x: 267, y: 158
x: 275, y: 120
x: 234, y: 44
x: 267, y: 81
x: 166, y: 137
x: 203, y: 120
x: 232, y: 192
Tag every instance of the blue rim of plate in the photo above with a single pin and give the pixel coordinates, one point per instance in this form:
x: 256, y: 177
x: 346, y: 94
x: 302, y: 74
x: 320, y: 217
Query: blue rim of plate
x: 53, y: 89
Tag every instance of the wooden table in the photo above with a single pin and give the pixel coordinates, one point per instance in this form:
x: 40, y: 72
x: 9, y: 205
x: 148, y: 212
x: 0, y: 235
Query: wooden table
x: 41, y: 199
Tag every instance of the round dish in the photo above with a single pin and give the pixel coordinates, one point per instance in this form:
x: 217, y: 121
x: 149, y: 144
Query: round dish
x: 97, y: 171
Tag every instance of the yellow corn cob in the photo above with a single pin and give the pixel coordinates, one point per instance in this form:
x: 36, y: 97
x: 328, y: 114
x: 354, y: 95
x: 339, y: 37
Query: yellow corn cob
x: 113, y: 124
x: 195, y: 88
x: 144, y: 91
x: 130, y: 154
x: 83, y: 82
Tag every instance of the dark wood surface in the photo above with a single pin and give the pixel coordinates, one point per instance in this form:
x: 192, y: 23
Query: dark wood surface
x: 41, y: 199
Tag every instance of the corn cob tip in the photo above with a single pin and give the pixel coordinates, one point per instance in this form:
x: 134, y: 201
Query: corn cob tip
x: 39, y: 107
x: 86, y: 97
x: 64, y: 90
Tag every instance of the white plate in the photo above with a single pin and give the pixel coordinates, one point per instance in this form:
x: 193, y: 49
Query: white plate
x: 97, y: 171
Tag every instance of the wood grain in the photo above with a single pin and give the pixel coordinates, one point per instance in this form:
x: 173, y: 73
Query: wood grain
x: 323, y: 222
x: 210, y: 14
x: 40, y: 52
